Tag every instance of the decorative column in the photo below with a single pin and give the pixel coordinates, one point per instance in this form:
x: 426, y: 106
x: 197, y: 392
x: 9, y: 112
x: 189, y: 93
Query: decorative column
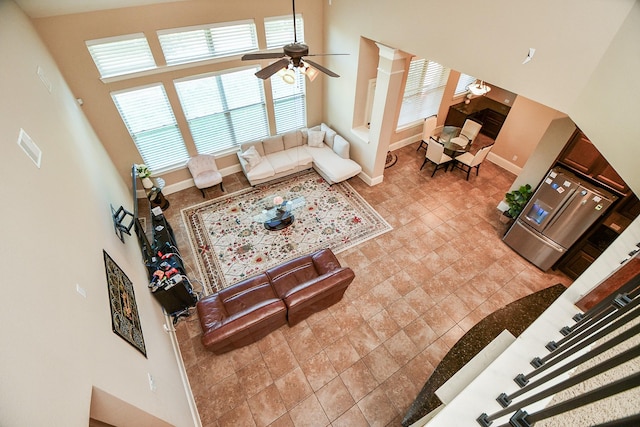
x: 386, y: 104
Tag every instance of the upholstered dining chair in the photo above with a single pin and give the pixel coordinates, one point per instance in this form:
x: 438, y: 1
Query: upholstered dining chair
x: 204, y: 171
x: 470, y: 129
x: 468, y: 161
x: 435, y: 154
x: 428, y: 126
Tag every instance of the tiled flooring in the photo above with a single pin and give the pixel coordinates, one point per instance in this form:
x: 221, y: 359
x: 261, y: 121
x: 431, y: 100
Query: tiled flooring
x: 417, y: 290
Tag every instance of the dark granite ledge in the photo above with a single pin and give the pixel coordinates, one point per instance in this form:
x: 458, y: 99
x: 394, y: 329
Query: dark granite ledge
x: 515, y: 317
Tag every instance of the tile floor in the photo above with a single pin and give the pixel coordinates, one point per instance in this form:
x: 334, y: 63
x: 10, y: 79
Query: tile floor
x: 417, y: 290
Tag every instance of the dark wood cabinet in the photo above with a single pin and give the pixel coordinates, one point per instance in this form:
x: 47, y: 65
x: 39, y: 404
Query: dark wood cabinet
x: 492, y: 123
x: 582, y: 156
x: 490, y: 113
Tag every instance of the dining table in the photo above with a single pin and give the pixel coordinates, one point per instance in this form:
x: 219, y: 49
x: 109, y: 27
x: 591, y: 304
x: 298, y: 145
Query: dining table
x: 448, y: 136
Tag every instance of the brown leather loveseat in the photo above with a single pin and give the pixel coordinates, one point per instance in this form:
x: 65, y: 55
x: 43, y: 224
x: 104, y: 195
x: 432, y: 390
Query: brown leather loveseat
x: 249, y: 310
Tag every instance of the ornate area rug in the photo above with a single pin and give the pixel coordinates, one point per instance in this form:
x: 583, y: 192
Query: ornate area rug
x: 229, y: 244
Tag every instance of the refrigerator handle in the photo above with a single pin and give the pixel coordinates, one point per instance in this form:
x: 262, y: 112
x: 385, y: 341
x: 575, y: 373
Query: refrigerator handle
x: 564, y: 206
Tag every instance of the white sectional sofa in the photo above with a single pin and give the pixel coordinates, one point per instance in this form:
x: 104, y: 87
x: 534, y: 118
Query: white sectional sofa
x: 319, y: 147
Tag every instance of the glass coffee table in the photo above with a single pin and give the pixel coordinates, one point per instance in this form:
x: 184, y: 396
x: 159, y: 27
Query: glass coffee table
x: 279, y: 217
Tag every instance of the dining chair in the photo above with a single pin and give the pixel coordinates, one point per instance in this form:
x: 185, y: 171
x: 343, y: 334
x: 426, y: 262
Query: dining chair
x: 204, y: 170
x: 468, y: 161
x: 435, y: 154
x: 428, y: 126
x: 470, y: 129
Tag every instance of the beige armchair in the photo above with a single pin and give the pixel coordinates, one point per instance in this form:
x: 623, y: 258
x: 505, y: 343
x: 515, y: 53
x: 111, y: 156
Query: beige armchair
x: 470, y: 129
x: 205, y: 172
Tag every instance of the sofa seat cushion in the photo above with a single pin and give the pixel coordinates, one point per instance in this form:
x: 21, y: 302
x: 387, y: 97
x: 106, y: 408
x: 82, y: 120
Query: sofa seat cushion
x: 332, y: 166
x: 281, y: 161
x: 299, y: 156
x: 261, y: 170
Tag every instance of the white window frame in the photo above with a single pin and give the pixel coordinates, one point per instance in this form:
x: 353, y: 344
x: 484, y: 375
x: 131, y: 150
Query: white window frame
x: 144, y: 117
x: 279, y: 30
x: 232, y: 128
x: 463, y: 81
x: 424, y: 88
x: 203, y: 42
x: 289, y: 103
x: 121, y: 55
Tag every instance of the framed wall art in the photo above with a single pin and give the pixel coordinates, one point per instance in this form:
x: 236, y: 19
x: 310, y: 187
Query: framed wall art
x: 124, y: 310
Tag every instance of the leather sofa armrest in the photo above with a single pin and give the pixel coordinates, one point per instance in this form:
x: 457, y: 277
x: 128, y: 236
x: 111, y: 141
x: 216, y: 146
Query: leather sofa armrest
x: 319, y: 286
x: 242, y: 322
x: 211, y: 312
x: 325, y: 261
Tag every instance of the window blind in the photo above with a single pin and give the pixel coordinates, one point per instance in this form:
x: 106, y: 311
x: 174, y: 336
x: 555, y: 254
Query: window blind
x: 423, y: 92
x: 224, y: 110
x: 279, y: 30
x: 183, y: 45
x: 115, y: 56
x: 289, y: 103
x: 150, y: 121
x: 464, y: 81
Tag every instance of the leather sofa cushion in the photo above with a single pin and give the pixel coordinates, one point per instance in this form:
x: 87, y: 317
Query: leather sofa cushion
x: 290, y: 274
x: 246, y: 294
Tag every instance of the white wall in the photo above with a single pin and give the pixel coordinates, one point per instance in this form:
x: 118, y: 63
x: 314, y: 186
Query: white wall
x: 56, y: 221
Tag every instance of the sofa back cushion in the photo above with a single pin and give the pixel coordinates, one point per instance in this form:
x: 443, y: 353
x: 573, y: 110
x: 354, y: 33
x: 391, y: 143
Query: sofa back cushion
x: 341, y: 147
x: 247, y: 293
x: 292, y: 139
x: 257, y: 144
x: 329, y: 134
x: 287, y: 276
x: 273, y: 144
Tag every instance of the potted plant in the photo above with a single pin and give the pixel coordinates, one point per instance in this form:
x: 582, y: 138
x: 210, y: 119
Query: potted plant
x: 517, y: 199
x: 144, y: 173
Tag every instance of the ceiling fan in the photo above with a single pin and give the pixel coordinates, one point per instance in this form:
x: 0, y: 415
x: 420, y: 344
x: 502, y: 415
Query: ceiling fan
x: 296, y: 58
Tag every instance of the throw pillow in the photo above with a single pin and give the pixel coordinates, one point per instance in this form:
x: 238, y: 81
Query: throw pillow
x: 252, y: 157
x: 341, y: 147
x: 316, y: 138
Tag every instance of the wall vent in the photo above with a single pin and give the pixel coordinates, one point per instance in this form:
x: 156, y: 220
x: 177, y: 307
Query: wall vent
x: 29, y: 147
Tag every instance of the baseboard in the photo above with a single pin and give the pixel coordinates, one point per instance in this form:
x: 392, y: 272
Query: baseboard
x: 504, y: 163
x: 370, y: 181
x: 404, y: 142
x: 188, y: 183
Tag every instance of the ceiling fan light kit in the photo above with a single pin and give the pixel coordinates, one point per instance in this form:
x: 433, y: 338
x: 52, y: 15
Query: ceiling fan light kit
x: 295, y: 52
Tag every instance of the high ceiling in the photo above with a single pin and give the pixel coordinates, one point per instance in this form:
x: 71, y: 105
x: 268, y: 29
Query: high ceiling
x: 43, y: 8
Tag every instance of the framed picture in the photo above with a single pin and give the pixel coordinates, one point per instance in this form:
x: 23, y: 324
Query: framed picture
x: 124, y: 310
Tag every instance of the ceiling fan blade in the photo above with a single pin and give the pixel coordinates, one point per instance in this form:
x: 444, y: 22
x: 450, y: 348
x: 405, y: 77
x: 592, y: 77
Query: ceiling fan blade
x: 266, y: 55
x: 325, y: 54
x: 321, y: 68
x: 271, y: 69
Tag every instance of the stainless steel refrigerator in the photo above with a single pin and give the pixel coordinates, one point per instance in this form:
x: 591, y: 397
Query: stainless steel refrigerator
x: 562, y: 208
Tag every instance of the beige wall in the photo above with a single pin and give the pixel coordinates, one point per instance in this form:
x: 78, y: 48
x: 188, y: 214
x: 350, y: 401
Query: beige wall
x: 65, y: 36
x: 56, y: 221
x: 526, y: 123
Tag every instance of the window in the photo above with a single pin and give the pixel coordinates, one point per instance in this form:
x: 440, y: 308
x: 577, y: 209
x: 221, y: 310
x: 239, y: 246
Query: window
x: 289, y: 103
x: 279, y: 30
x: 183, y: 45
x: 148, y: 116
x: 464, y: 81
x: 423, y: 91
x: 115, y: 56
x: 224, y: 110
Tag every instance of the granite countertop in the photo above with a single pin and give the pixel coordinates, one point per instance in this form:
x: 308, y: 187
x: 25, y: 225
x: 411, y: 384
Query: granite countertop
x: 481, y: 103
